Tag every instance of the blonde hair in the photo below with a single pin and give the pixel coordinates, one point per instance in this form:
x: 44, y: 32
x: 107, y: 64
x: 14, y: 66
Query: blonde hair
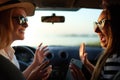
x: 6, y: 28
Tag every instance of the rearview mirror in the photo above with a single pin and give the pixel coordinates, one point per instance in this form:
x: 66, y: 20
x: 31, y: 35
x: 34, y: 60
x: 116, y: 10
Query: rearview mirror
x: 53, y: 19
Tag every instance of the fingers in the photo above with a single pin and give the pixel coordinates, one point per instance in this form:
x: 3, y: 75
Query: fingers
x: 46, y: 72
x: 42, y: 48
x: 44, y: 64
x: 76, y: 72
x: 42, y: 72
x: 85, y: 55
x: 42, y: 68
x: 82, y: 49
x: 40, y: 54
x: 82, y: 52
x: 39, y: 46
x: 73, y: 71
x: 42, y: 51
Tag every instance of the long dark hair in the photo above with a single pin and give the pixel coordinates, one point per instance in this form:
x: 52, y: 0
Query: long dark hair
x: 114, y: 37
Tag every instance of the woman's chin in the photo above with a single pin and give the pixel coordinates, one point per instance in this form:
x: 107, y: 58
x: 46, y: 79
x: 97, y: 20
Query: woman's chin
x: 103, y: 45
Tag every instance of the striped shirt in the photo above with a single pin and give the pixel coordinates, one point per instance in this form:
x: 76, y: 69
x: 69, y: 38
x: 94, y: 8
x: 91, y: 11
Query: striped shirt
x: 112, y: 66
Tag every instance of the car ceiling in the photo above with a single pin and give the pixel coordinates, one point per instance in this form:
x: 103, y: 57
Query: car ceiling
x: 53, y: 4
x: 68, y: 4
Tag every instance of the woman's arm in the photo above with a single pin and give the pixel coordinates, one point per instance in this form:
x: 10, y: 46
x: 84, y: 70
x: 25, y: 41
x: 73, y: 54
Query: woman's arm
x: 39, y: 57
x: 84, y: 59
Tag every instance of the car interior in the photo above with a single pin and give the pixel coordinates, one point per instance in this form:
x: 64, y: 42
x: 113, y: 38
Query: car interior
x: 52, y: 25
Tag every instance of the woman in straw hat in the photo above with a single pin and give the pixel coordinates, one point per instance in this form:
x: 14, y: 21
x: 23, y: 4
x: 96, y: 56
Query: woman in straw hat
x: 13, y: 23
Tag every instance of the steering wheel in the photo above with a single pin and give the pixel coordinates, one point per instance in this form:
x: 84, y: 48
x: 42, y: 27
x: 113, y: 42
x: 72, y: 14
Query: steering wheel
x: 24, y: 56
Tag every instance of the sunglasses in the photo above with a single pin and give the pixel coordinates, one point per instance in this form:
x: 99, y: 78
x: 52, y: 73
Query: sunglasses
x: 99, y: 25
x: 21, y: 19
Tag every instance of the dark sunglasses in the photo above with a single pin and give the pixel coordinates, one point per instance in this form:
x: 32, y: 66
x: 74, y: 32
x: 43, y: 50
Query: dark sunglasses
x: 21, y: 19
x: 100, y: 24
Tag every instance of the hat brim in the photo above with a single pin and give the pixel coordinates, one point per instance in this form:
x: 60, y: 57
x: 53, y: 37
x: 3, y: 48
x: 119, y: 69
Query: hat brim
x: 29, y: 7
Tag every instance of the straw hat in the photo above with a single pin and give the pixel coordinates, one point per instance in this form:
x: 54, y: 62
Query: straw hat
x: 7, y: 4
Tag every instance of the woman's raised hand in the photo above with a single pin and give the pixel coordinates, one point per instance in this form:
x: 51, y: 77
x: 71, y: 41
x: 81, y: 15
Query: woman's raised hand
x: 83, y: 54
x: 40, y: 54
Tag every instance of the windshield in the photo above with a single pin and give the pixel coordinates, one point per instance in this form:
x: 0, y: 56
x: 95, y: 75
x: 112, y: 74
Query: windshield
x: 77, y: 28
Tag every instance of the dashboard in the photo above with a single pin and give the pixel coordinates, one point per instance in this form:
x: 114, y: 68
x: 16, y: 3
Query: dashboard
x: 59, y: 56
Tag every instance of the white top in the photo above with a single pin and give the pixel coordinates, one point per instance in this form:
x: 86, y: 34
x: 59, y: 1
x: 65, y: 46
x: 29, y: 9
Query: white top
x: 9, y: 54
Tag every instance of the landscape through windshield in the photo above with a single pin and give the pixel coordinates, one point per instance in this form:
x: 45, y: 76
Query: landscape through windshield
x: 77, y: 28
